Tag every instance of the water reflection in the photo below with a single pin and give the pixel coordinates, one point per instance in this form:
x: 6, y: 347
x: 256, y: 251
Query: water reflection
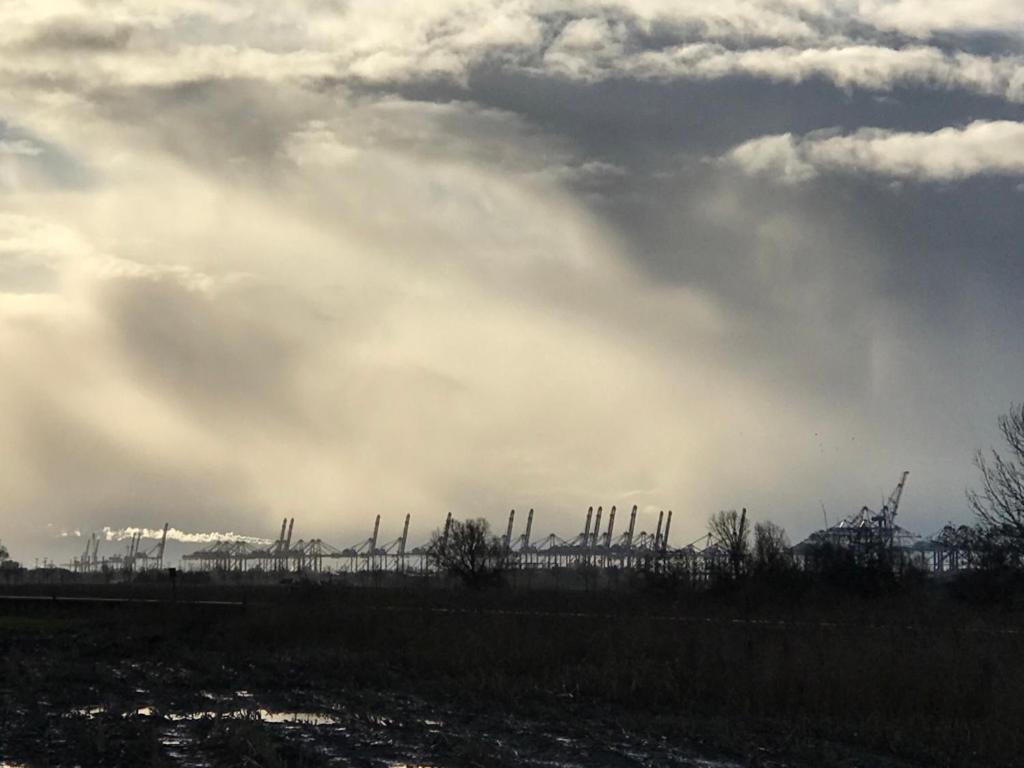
x: 265, y: 715
x: 410, y: 733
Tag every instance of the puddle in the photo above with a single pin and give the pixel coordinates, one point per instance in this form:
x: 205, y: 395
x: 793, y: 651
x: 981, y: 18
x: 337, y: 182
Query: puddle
x: 303, y: 718
x: 403, y: 738
x: 275, y: 717
x: 88, y: 712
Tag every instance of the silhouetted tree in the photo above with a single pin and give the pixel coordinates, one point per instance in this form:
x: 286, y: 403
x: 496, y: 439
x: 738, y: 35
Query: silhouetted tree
x: 469, y: 551
x: 4, y: 555
x: 771, y: 549
x: 999, y: 504
x: 731, y: 531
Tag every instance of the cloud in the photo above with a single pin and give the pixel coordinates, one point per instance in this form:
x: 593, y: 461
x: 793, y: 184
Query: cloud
x: 392, y: 307
x: 849, y: 44
x: 18, y: 166
x: 777, y: 156
x: 19, y: 147
x: 65, y: 34
x: 927, y: 17
x: 981, y: 148
x: 870, y: 67
x: 341, y: 259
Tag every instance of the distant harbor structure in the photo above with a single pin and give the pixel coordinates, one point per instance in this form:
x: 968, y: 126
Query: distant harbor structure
x: 860, y: 534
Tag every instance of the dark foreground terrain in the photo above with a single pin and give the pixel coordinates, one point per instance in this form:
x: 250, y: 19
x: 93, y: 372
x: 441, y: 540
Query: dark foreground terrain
x: 293, y: 675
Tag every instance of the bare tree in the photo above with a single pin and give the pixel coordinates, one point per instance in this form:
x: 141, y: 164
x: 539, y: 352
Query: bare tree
x: 731, y: 531
x: 999, y: 505
x: 468, y: 550
x: 771, y: 548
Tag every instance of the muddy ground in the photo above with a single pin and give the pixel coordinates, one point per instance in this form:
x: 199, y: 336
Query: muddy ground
x: 293, y: 679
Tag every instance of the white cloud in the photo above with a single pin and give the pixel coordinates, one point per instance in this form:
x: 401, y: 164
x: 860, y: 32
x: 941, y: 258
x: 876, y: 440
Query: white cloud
x: 148, y: 43
x: 948, y: 154
x: 773, y: 155
x: 869, y: 67
x: 926, y: 17
x: 586, y: 47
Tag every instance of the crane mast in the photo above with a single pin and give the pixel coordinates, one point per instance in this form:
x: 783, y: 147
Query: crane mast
x: 508, y: 531
x: 611, y: 528
x: 526, y: 534
x: 163, y: 545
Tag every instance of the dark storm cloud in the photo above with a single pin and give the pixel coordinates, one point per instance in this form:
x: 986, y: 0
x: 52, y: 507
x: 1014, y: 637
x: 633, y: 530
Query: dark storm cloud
x: 637, y: 123
x: 917, y: 246
x: 662, y: 134
x: 209, y: 121
x: 228, y: 354
x: 335, y: 260
x: 70, y: 34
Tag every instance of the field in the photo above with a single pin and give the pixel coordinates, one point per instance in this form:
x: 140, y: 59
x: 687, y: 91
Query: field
x: 300, y: 674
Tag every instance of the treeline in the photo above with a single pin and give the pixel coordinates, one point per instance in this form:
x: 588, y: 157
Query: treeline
x: 989, y: 552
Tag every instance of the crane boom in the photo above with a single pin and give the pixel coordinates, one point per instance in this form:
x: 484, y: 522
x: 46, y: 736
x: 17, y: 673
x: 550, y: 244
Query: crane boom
x: 893, y: 504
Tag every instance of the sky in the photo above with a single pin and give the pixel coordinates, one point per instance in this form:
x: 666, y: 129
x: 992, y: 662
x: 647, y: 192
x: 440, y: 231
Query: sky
x: 339, y: 258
